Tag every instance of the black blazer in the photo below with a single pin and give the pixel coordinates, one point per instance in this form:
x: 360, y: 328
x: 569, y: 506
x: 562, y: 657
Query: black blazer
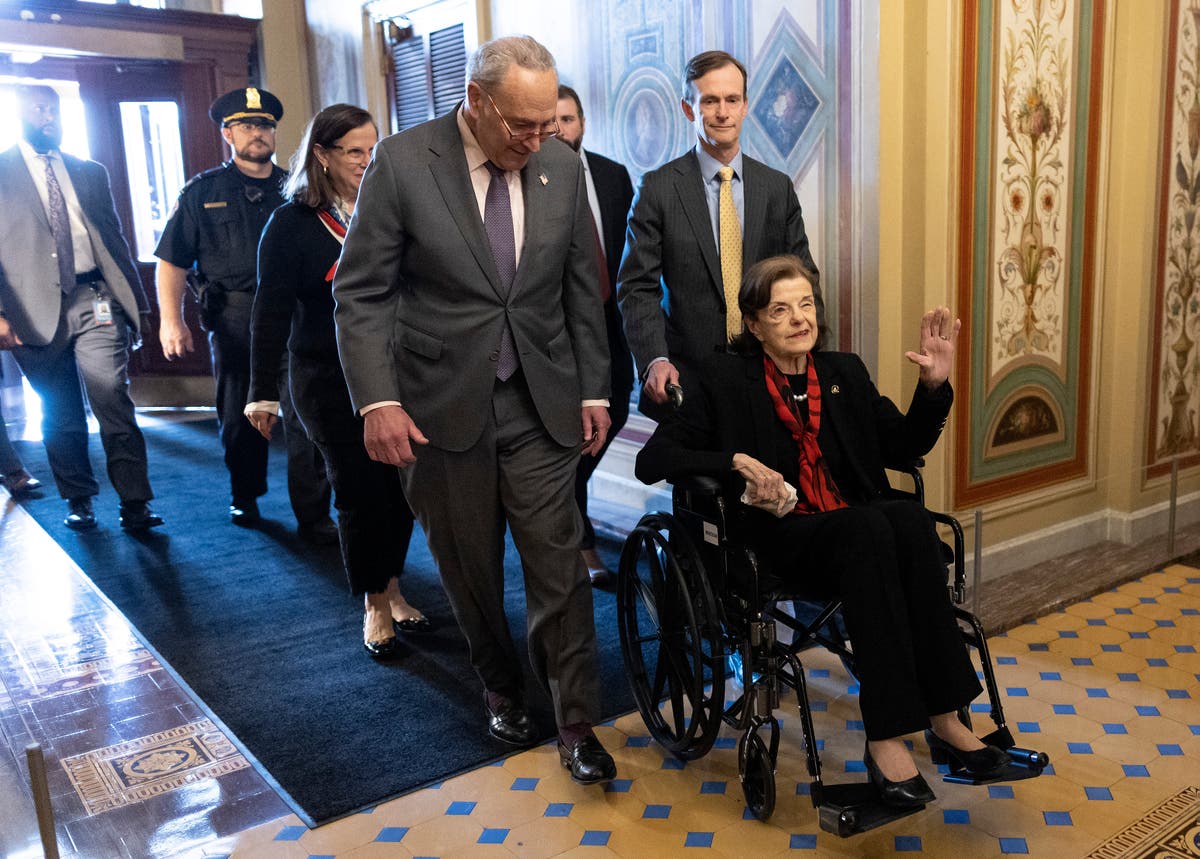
x: 669, y: 249
x: 614, y: 191
x: 728, y: 410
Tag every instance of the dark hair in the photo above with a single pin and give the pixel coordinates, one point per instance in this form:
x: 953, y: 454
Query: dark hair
x: 755, y: 295
x: 701, y: 64
x: 565, y: 91
x: 308, y: 183
x: 27, y: 93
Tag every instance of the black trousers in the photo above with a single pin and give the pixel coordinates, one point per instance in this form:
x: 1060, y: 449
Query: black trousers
x: 884, y: 562
x: 246, y: 450
x: 375, y: 522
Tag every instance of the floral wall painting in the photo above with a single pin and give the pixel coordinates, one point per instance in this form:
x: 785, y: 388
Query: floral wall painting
x: 1175, y: 381
x: 1028, y: 300
x: 1030, y: 121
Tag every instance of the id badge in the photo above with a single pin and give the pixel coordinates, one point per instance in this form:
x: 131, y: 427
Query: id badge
x: 102, y: 310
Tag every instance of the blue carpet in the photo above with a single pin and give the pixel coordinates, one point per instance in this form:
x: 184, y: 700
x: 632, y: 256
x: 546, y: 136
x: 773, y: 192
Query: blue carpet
x: 263, y: 629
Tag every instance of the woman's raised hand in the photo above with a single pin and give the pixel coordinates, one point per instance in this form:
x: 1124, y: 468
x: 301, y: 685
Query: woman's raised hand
x: 939, y: 334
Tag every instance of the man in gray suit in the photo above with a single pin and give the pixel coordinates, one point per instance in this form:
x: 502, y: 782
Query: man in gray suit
x: 675, y: 244
x: 70, y: 309
x: 472, y: 338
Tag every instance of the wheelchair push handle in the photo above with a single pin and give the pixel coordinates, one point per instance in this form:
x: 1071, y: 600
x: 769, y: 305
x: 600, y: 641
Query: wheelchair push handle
x: 675, y: 396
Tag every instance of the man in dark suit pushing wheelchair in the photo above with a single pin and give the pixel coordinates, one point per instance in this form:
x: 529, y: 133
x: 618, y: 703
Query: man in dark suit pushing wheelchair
x: 799, y: 440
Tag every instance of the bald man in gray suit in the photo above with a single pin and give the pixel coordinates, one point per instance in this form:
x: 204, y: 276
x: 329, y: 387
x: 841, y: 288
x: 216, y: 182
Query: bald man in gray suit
x: 472, y: 338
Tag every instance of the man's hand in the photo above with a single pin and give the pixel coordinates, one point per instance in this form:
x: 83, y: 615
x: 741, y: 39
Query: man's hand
x: 660, y: 374
x: 595, y: 429
x: 8, y: 337
x: 390, y: 434
x: 264, y: 422
x: 175, y: 338
x: 939, y: 333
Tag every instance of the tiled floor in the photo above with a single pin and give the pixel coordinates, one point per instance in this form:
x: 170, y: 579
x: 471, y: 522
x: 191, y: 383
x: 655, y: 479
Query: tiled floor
x: 1108, y: 687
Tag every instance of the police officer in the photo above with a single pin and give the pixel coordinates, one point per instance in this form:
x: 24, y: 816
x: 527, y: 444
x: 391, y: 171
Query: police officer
x: 209, y: 247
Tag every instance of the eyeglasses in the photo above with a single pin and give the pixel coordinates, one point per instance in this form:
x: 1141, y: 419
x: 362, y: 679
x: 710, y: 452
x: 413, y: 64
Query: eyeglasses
x: 526, y: 130
x: 248, y: 127
x: 361, y: 156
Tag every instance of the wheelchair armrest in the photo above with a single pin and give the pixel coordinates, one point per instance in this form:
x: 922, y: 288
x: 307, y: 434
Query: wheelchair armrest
x: 700, y: 484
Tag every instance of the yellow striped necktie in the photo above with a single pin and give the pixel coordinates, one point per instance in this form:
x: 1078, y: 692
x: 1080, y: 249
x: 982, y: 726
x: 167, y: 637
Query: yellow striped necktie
x: 731, y: 252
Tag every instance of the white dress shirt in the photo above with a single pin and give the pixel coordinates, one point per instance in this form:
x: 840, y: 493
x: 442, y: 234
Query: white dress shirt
x: 35, y: 162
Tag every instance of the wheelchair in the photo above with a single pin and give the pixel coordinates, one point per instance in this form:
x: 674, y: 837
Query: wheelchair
x: 689, y: 595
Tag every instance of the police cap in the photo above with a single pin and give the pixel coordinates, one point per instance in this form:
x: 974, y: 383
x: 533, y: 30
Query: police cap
x: 246, y: 105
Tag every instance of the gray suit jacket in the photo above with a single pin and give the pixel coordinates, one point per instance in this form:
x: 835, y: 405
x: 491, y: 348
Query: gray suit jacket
x: 30, y: 297
x: 669, y: 248
x: 419, y: 306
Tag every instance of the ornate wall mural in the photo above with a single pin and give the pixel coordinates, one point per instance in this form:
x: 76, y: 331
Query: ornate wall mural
x: 1030, y: 130
x: 797, y: 57
x: 1176, y: 371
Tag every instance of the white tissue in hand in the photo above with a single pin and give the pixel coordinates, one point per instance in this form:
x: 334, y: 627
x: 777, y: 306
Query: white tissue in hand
x: 778, y: 507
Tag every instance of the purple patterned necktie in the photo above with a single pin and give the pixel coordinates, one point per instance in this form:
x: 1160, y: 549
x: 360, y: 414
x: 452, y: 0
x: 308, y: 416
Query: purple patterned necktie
x: 497, y: 221
x: 60, y: 226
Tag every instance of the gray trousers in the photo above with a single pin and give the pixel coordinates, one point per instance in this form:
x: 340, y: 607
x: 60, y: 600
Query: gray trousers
x: 97, y: 356
x: 517, y: 474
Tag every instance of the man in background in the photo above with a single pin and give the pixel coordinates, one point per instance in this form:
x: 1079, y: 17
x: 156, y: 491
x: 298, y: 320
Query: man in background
x: 610, y: 192
x: 697, y: 223
x: 71, y: 308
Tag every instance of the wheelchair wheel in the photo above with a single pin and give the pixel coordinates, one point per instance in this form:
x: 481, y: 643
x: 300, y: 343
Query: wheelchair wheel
x: 756, y: 769
x: 671, y: 637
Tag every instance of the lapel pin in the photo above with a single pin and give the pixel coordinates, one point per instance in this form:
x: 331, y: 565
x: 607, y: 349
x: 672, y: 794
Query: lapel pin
x: 834, y: 389
x: 544, y: 180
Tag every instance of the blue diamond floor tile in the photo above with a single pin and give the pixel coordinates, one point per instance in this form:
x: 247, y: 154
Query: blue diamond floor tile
x: 392, y: 834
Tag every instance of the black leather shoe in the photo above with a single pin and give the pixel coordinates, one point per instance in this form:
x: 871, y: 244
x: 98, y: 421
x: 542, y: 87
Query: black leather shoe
x: 389, y: 648
x: 320, y: 533
x: 137, y: 516
x: 81, y: 517
x: 510, y: 722
x: 21, y: 482
x: 980, y: 763
x: 244, y: 512
x: 910, y: 793
x: 587, y: 760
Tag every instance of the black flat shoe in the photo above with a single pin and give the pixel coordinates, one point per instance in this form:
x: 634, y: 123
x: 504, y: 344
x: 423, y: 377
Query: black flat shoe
x: 510, y: 723
x: 980, y: 763
x: 244, y: 513
x: 389, y: 648
x: 80, y: 517
x: 588, y: 762
x: 323, y: 532
x: 21, y: 482
x: 419, y: 625
x: 911, y: 793
x: 137, y: 516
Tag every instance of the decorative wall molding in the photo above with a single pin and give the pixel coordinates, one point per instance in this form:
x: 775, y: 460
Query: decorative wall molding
x: 1032, y: 82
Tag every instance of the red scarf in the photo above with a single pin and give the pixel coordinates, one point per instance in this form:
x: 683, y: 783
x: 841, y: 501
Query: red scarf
x: 338, y: 231
x: 817, y: 492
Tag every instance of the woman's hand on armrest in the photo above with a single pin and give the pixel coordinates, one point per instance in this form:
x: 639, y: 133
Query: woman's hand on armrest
x: 764, y: 486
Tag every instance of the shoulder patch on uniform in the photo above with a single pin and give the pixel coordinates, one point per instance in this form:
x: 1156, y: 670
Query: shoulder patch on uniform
x: 205, y: 174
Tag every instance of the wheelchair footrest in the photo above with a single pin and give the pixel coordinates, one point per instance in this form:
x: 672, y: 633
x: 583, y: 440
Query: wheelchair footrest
x: 848, y: 809
x: 1022, y: 764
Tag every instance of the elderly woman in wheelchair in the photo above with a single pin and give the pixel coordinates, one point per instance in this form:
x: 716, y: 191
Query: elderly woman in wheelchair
x: 799, y: 439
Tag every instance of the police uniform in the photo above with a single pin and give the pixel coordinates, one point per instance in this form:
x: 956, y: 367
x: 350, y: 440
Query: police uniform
x: 214, y: 233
